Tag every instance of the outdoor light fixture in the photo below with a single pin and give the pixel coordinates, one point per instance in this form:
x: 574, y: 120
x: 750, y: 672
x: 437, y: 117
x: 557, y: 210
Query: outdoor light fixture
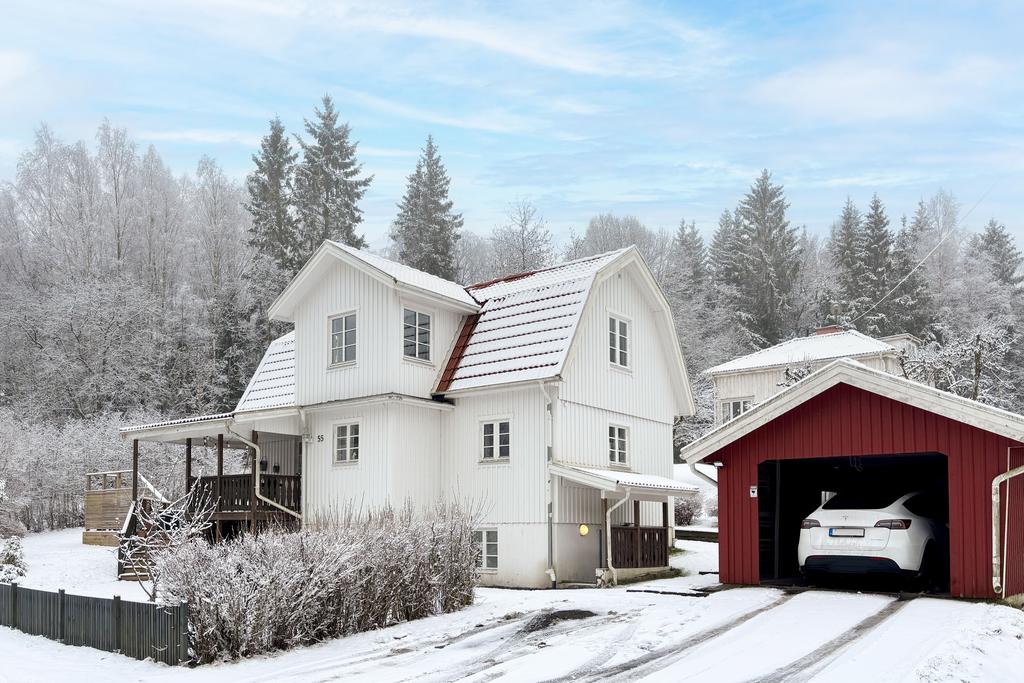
x: 718, y: 464
x: 584, y: 529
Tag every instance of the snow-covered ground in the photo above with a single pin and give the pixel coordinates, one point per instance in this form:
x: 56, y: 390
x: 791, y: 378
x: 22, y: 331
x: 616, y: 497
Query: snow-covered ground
x: 59, y: 559
x: 643, y: 631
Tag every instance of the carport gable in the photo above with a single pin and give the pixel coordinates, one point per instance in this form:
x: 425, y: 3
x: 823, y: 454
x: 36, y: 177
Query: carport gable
x: 849, y: 411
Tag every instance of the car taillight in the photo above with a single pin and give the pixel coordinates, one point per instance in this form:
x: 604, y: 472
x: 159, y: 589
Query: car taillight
x: 894, y: 523
x: 809, y: 524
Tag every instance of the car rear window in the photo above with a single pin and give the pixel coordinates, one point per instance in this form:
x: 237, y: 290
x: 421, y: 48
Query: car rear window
x: 860, y: 500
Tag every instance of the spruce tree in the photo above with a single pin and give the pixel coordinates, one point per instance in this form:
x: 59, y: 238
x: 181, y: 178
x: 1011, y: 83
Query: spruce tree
x: 910, y: 306
x: 724, y: 256
x: 328, y: 185
x: 273, y: 232
x: 846, y: 247
x: 770, y: 262
x: 426, y: 230
x: 877, y: 269
x: 689, y: 258
x: 996, y: 248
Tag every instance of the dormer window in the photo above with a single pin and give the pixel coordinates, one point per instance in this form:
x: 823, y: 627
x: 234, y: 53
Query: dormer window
x: 618, y: 341
x: 343, y: 339
x: 415, y: 334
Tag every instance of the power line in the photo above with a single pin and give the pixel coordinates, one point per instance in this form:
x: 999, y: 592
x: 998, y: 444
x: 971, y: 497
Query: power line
x: 930, y: 252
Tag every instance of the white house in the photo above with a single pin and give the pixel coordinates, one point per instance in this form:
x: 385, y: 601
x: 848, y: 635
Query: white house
x: 744, y: 382
x: 545, y: 400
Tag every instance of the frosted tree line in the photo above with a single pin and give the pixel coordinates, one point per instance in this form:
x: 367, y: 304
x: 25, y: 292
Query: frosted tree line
x: 129, y: 293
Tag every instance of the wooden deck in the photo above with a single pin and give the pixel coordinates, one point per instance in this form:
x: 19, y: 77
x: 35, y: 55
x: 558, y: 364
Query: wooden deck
x: 108, y: 497
x: 236, y: 502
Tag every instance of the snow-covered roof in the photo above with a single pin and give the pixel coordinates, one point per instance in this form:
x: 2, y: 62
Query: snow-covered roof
x: 855, y: 374
x: 273, y: 383
x: 217, y: 417
x: 410, y: 276
x: 817, y: 347
x: 619, y: 480
x: 525, y: 325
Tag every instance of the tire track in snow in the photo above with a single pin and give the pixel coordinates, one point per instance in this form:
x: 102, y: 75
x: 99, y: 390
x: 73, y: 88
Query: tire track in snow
x: 655, y: 660
x: 812, y: 663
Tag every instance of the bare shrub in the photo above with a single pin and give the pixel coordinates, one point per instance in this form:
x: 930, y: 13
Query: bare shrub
x: 275, y: 590
x: 688, y: 507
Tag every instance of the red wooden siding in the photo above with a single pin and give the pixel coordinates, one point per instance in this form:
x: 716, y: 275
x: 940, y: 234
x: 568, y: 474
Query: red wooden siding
x: 846, y: 421
x: 1013, y: 557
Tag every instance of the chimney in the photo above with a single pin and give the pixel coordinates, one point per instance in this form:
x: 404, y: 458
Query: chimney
x: 829, y: 329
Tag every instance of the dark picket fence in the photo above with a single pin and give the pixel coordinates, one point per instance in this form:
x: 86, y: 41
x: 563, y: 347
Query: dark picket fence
x: 141, y: 630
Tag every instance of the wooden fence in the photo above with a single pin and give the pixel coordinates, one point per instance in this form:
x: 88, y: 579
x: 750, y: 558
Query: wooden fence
x: 135, y: 629
x: 642, y: 547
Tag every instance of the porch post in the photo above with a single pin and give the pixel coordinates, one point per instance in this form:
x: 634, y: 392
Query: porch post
x: 188, y: 465
x: 636, y: 523
x: 669, y: 535
x: 135, y: 470
x: 220, y: 473
x: 607, y: 532
x: 255, y: 483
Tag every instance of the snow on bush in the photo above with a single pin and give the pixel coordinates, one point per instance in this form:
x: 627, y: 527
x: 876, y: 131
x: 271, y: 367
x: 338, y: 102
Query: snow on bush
x: 277, y: 589
x: 688, y: 508
x: 12, y: 560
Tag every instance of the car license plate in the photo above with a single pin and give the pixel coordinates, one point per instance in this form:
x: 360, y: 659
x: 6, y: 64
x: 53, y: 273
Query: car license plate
x: 841, y: 531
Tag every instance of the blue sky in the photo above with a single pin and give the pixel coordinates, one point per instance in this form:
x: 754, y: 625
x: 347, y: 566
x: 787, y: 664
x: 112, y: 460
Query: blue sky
x: 661, y: 110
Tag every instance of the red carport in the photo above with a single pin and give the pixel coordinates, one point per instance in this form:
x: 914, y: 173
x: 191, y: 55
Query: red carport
x: 849, y: 422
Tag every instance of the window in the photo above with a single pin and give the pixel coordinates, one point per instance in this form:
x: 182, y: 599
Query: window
x: 343, y: 339
x: 496, y: 445
x: 415, y: 334
x: 617, y: 445
x: 734, y: 408
x: 346, y: 443
x: 618, y: 341
x: 487, y: 548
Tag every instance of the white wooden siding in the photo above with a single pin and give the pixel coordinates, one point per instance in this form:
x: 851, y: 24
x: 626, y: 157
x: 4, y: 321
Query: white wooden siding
x: 380, y: 366
x: 643, y: 389
x: 506, y: 492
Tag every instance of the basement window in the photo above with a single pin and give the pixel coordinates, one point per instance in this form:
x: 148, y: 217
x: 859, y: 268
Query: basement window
x: 487, y: 548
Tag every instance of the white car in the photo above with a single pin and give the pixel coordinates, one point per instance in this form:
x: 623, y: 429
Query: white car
x: 872, y: 532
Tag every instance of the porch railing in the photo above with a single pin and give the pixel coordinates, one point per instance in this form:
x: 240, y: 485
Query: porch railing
x: 236, y: 491
x: 639, y: 547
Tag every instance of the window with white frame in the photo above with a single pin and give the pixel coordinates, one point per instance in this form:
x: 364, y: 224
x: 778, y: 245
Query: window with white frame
x: 733, y: 408
x: 618, y: 341
x: 343, y: 339
x: 487, y: 548
x: 346, y: 443
x: 496, y: 442
x: 617, y: 445
x: 415, y: 334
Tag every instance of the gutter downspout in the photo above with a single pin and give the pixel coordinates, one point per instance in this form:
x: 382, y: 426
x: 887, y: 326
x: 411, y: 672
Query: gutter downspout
x: 997, y: 541
x: 608, y: 531
x: 698, y: 473
x: 549, y: 437
x: 256, y: 475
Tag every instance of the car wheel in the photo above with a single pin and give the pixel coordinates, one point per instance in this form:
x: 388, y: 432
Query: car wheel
x: 928, y: 578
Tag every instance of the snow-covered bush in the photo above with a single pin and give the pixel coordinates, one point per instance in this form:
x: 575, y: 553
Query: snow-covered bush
x: 711, y: 505
x: 688, y: 508
x: 274, y: 590
x: 12, y: 560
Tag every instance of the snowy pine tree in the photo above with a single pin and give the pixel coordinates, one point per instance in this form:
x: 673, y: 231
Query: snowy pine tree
x: 426, y: 230
x: 328, y: 186
x: 994, y: 246
x: 274, y: 232
x: 846, y: 247
x: 910, y: 306
x: 877, y: 267
x: 770, y: 262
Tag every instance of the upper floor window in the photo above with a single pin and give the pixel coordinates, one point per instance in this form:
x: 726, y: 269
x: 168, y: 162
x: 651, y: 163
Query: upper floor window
x: 618, y: 341
x: 415, y: 334
x: 733, y: 408
x: 496, y: 440
x: 617, y: 445
x: 346, y: 443
x: 343, y: 339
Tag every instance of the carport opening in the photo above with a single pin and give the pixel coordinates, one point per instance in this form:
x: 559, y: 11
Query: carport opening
x: 790, y: 490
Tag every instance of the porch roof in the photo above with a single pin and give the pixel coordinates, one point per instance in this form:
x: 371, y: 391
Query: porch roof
x: 176, y: 431
x: 618, y: 481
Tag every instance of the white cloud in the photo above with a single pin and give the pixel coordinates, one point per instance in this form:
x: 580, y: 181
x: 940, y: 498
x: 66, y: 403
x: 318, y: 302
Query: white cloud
x: 880, y: 86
